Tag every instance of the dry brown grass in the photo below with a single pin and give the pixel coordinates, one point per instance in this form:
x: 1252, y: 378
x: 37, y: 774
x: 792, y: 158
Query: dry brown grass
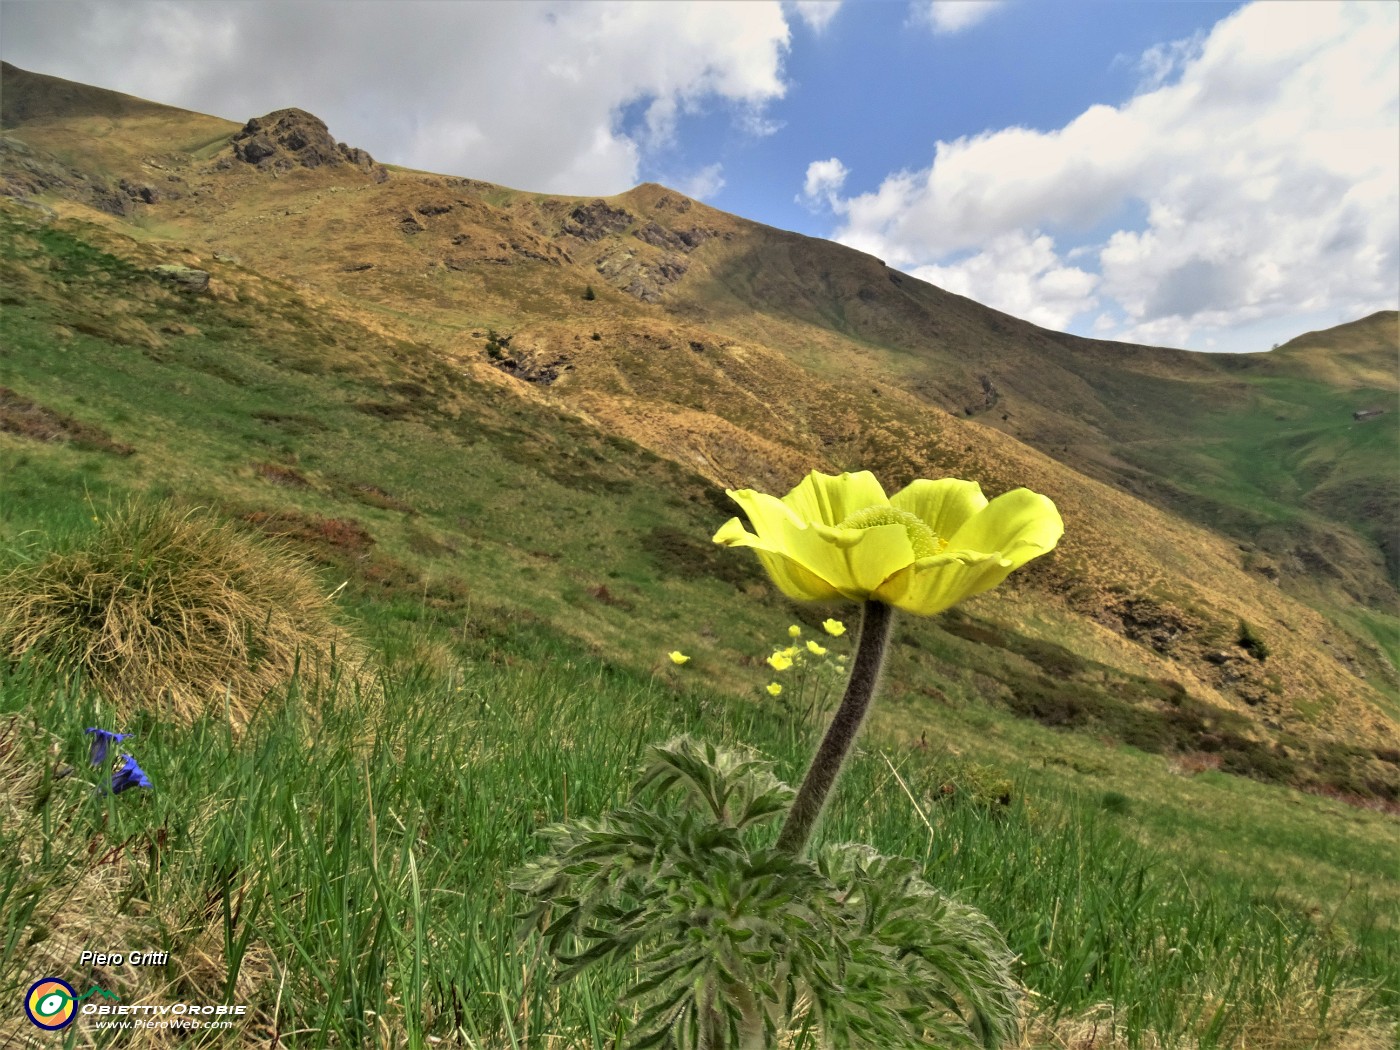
x: 169, y: 608
x: 19, y: 415
x: 1290, y: 1024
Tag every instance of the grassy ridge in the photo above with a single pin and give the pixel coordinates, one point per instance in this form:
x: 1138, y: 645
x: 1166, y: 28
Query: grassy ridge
x: 1281, y: 466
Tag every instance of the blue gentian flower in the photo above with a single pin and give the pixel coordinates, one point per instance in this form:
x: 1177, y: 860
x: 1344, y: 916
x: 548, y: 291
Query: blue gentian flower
x: 102, y: 740
x: 127, y: 774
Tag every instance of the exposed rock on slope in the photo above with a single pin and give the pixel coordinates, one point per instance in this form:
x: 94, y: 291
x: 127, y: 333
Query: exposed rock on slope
x: 28, y: 172
x: 290, y: 138
x: 596, y: 220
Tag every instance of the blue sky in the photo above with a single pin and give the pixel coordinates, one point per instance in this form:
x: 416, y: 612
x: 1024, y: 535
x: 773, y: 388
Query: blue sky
x: 1219, y: 176
x: 880, y: 88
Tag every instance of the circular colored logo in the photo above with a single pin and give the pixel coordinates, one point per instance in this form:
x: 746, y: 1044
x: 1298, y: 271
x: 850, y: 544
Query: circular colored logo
x: 51, y: 1004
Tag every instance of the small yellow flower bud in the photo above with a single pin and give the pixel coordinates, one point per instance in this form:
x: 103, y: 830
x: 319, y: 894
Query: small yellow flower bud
x: 794, y: 631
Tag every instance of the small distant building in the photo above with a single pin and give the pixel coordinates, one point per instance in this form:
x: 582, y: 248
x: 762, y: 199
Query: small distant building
x: 1367, y: 413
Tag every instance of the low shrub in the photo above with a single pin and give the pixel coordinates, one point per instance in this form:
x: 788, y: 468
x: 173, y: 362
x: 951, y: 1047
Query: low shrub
x: 1251, y: 643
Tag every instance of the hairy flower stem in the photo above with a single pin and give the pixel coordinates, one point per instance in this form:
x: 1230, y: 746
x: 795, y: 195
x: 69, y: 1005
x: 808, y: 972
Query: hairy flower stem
x: 876, y: 620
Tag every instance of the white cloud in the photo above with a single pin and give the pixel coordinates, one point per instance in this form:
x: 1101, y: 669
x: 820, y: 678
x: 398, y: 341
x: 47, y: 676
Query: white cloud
x: 1021, y: 275
x: 823, y: 183
x: 953, y: 16
x: 702, y: 184
x: 1161, y: 62
x: 752, y: 121
x: 528, y: 93
x: 817, y: 14
x: 1268, y: 170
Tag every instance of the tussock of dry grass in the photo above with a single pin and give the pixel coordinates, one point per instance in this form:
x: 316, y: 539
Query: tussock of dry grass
x: 177, y: 609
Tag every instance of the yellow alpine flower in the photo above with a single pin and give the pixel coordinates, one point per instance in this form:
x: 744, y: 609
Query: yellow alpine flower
x: 835, y: 628
x: 774, y: 688
x: 780, y: 661
x: 794, y: 631
x: 678, y: 657
x: 815, y: 649
x: 922, y: 550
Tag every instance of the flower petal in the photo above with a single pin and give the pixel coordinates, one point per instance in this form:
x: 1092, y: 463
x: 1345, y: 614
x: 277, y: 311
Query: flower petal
x: 792, y: 578
x: 1019, y: 525
x: 831, y: 500
x: 943, y: 505
x: 931, y: 586
x: 857, y: 561
x: 846, y: 562
x: 767, y: 514
x: 1010, y: 531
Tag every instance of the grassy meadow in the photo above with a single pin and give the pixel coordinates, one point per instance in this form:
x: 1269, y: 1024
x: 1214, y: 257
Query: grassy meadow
x: 512, y: 579
x: 341, y: 867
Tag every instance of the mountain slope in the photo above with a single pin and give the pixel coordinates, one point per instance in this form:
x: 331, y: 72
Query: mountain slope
x: 743, y: 356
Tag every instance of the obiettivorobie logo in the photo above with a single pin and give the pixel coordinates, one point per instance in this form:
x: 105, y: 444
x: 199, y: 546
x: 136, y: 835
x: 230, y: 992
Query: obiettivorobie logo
x: 51, y: 1003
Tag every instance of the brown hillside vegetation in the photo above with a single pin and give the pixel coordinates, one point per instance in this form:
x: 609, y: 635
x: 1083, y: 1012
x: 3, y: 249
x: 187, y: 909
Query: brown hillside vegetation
x: 750, y: 356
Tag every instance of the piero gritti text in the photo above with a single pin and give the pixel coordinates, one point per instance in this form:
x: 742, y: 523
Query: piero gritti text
x: 127, y: 958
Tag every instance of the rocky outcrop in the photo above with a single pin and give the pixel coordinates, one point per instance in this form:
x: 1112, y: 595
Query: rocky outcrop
x: 185, y: 278
x: 990, y: 395
x: 641, y: 277
x: 144, y: 192
x: 676, y: 240
x: 667, y: 202
x: 596, y: 220
x: 532, y: 366
x: 26, y: 172
x: 292, y: 138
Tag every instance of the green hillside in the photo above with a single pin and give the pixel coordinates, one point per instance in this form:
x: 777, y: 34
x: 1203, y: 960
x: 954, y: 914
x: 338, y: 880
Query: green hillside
x: 511, y: 489
x: 497, y: 550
